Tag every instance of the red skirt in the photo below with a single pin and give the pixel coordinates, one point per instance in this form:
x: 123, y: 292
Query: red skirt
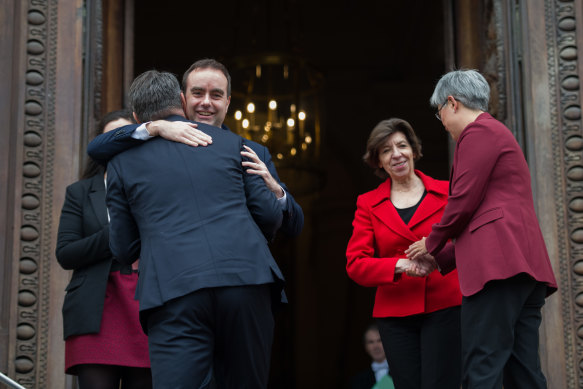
x: 121, y: 340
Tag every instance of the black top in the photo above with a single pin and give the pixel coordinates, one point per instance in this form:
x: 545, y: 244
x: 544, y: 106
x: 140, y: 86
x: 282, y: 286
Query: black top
x: 407, y: 213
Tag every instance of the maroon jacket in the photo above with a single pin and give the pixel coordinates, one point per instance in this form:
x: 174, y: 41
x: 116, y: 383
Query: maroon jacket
x: 490, y: 211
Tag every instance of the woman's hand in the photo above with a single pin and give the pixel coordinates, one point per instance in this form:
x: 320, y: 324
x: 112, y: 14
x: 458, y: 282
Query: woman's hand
x: 256, y: 166
x: 417, y: 268
x: 417, y: 250
x: 422, y: 266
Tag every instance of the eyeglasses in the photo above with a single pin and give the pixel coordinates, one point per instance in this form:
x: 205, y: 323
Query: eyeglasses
x: 438, y: 113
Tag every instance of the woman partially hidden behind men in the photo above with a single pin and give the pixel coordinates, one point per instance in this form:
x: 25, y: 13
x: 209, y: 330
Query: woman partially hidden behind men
x: 104, y: 343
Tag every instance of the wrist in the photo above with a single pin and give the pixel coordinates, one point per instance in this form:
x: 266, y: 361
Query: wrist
x: 152, y: 128
x: 401, y: 265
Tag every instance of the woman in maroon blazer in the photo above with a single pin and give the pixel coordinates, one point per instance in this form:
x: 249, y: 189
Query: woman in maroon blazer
x: 504, y: 268
x: 418, y: 317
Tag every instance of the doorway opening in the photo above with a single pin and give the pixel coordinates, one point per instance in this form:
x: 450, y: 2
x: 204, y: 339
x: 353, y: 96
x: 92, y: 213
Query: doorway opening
x: 378, y: 60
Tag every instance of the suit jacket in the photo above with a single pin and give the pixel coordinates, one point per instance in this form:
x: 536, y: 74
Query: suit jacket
x: 186, y: 212
x: 490, y: 211
x: 106, y: 146
x: 380, y: 238
x: 364, y: 379
x: 83, y: 246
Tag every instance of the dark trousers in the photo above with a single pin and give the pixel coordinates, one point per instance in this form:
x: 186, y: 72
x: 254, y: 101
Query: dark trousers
x: 226, y: 332
x: 500, y: 338
x: 423, y: 351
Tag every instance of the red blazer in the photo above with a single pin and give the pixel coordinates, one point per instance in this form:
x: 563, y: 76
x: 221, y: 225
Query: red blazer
x: 380, y: 238
x: 490, y: 211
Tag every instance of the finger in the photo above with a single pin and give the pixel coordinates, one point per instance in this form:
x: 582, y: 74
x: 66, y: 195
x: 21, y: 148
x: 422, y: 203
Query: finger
x: 201, y: 142
x: 254, y: 171
x: 249, y: 149
x: 253, y: 164
x: 193, y: 141
x: 411, y: 248
x: 414, y: 255
x: 251, y: 155
x: 188, y: 142
x: 202, y: 135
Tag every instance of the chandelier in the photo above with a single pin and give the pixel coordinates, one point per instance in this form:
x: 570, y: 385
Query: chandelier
x: 275, y: 102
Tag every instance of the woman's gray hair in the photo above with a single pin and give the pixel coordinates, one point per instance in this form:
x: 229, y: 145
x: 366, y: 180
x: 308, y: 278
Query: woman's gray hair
x: 467, y: 86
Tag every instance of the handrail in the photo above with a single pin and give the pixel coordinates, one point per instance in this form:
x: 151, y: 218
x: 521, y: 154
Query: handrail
x: 9, y: 382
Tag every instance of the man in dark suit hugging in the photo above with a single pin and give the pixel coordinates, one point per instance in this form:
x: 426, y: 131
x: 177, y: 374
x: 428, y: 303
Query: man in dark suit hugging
x: 197, y: 222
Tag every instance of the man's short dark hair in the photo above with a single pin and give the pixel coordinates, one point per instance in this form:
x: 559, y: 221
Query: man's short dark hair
x: 207, y: 63
x: 154, y: 95
x: 371, y: 327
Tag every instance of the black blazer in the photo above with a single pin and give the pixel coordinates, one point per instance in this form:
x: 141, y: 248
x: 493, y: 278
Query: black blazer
x: 83, y: 246
x: 364, y: 379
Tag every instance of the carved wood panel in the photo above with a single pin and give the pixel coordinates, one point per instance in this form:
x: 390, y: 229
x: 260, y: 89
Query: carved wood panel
x: 32, y: 319
x: 47, y: 50
x: 511, y: 31
x: 567, y: 145
x: 530, y: 54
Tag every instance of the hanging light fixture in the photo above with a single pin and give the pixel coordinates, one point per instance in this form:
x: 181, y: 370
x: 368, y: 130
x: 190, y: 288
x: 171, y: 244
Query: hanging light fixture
x: 276, y: 91
x: 275, y: 102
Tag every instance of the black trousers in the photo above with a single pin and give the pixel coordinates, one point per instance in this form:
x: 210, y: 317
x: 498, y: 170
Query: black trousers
x: 226, y: 332
x: 500, y: 335
x: 423, y: 351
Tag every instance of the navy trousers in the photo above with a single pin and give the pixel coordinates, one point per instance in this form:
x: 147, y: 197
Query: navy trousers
x: 500, y: 335
x: 226, y: 332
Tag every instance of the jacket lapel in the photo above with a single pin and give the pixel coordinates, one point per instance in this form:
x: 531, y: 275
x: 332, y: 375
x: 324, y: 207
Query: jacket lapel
x: 384, y: 210
x: 97, y: 197
x: 432, y: 203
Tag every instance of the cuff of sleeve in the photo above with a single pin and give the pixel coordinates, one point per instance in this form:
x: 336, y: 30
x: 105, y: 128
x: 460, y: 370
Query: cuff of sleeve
x: 283, y: 200
x: 142, y: 132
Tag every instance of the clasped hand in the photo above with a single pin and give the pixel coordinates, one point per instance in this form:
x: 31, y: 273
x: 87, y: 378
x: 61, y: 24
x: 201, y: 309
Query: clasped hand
x: 419, y: 263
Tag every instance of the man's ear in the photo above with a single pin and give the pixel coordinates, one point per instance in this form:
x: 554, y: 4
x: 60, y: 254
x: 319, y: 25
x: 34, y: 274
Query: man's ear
x: 183, y: 101
x: 136, y: 118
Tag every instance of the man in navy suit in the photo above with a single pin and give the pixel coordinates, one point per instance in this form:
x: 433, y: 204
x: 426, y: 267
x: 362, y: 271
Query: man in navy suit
x: 206, y: 93
x: 197, y: 222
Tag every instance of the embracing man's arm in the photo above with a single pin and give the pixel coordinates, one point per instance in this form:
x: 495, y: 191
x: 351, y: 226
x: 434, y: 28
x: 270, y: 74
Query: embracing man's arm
x: 106, y: 146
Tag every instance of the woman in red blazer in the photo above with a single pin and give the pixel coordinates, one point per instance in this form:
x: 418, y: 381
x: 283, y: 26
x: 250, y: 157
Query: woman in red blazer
x: 418, y: 317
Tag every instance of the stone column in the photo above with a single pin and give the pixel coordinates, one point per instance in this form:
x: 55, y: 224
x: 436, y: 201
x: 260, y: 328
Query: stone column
x: 530, y: 53
x: 40, y: 101
x: 551, y: 50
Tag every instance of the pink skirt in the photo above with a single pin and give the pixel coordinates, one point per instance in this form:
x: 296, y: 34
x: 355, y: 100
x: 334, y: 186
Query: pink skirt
x: 121, y: 340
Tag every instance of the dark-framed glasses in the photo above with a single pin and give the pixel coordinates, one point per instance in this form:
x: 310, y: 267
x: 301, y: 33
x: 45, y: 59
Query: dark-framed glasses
x: 438, y: 113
